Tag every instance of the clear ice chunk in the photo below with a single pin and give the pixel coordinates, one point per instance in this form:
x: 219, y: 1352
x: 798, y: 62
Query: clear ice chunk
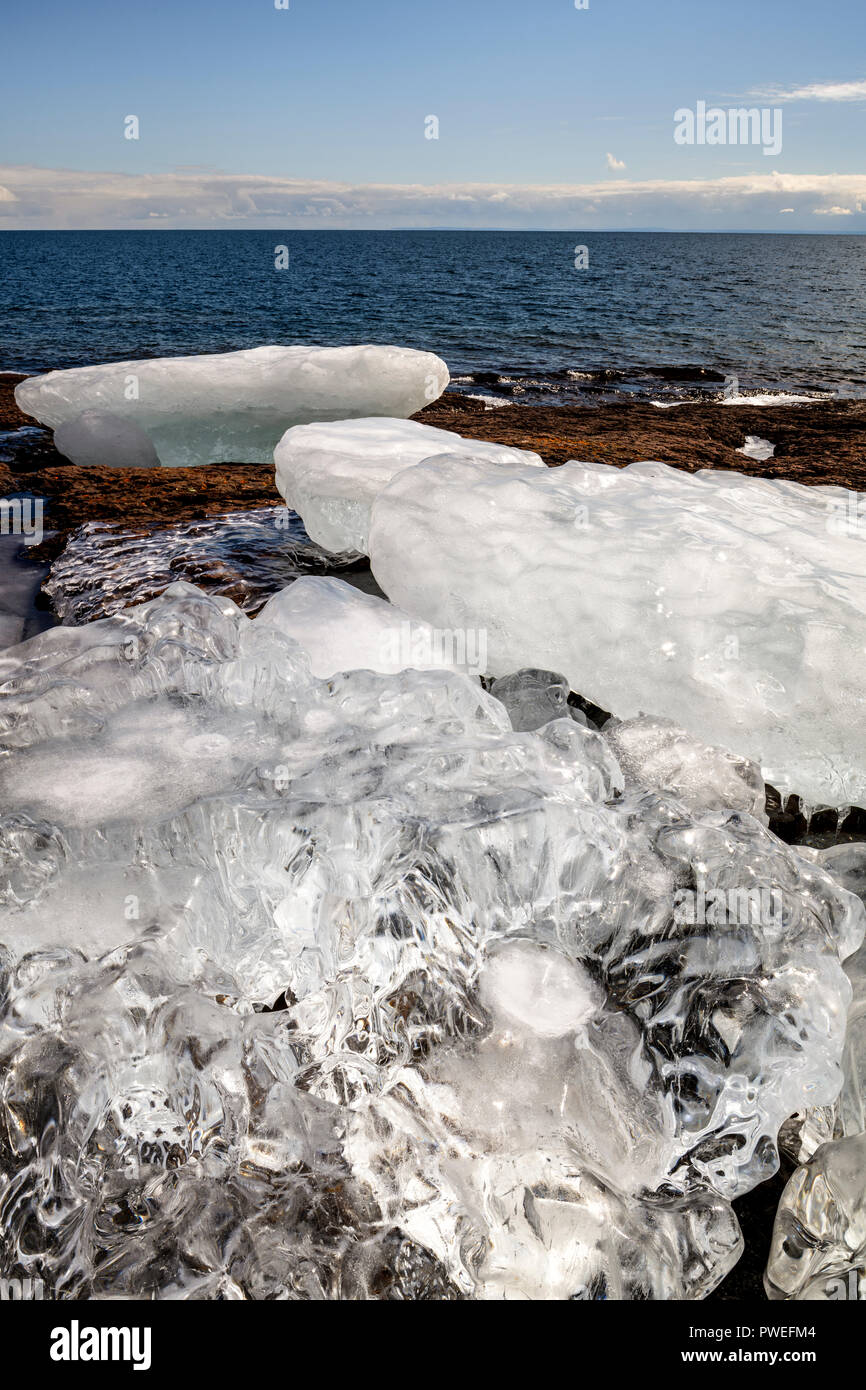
x: 342, y: 629
x: 819, y: 1240
x: 655, y: 753
x: 846, y: 863
x: 318, y: 988
x: 534, y: 698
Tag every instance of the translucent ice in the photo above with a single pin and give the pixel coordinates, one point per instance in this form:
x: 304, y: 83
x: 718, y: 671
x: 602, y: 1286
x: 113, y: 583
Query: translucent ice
x: 345, y: 988
x: 819, y: 1240
x: 249, y: 555
x: 726, y: 603
x: 231, y: 406
x: 342, y: 629
x: 846, y: 862
x: 757, y: 448
x: 97, y: 437
x: 655, y: 753
x: 533, y: 698
x: 329, y: 474
x: 527, y: 1160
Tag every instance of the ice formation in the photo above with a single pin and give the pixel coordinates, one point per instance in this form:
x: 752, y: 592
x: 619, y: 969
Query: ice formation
x: 819, y: 1241
x: 99, y: 438
x: 758, y: 448
x: 231, y: 406
x: 346, y: 988
x: 846, y: 862
x: 330, y: 473
x: 658, y: 754
x: 532, y: 698
x: 342, y: 629
x: 726, y: 603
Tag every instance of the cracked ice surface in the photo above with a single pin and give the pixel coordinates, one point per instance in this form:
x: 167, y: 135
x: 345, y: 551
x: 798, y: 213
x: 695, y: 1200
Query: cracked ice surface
x: 229, y: 407
x: 329, y: 474
x: 345, y: 988
x: 731, y: 605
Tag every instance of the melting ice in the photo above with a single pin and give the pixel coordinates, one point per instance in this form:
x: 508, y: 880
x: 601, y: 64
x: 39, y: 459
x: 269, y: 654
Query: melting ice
x: 734, y: 605
x: 229, y: 407
x: 348, y: 988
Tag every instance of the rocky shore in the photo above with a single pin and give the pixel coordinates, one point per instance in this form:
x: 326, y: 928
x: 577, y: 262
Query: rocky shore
x: 820, y: 443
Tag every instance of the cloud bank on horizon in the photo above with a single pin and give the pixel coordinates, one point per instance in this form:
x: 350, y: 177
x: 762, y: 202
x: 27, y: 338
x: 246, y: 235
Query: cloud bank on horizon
x: 64, y: 199
x: 35, y: 198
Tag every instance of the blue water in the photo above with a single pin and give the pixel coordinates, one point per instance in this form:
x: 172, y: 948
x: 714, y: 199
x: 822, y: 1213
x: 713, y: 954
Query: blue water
x: 508, y: 311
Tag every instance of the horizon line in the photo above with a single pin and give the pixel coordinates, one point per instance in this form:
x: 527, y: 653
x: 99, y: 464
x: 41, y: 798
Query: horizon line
x: 473, y: 231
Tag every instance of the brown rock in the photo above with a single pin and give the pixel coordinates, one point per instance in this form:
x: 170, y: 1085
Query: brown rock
x: 11, y: 418
x: 821, y: 443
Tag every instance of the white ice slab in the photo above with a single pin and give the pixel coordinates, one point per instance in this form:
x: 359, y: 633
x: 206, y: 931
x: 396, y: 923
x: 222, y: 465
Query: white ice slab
x: 735, y: 606
x: 233, y: 407
x: 330, y: 473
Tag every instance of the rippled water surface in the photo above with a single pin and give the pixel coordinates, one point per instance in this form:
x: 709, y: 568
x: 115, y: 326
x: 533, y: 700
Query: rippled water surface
x: 507, y: 310
x: 107, y: 566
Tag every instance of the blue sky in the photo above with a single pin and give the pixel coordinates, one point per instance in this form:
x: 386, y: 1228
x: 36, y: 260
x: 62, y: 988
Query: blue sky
x: 315, y: 114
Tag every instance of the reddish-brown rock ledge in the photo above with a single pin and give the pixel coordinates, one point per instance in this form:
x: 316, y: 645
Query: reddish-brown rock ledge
x: 821, y: 443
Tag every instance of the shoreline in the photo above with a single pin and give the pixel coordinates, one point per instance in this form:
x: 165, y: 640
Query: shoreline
x: 814, y: 444
x: 824, y: 443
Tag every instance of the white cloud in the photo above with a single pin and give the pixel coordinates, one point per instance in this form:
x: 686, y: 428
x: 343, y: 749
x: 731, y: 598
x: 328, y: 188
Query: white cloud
x: 818, y: 91
x: 63, y: 198
x: 786, y: 209
x: 833, y: 212
x: 613, y: 162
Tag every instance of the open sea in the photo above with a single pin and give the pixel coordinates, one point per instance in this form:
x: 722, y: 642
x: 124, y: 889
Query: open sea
x: 509, y: 311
